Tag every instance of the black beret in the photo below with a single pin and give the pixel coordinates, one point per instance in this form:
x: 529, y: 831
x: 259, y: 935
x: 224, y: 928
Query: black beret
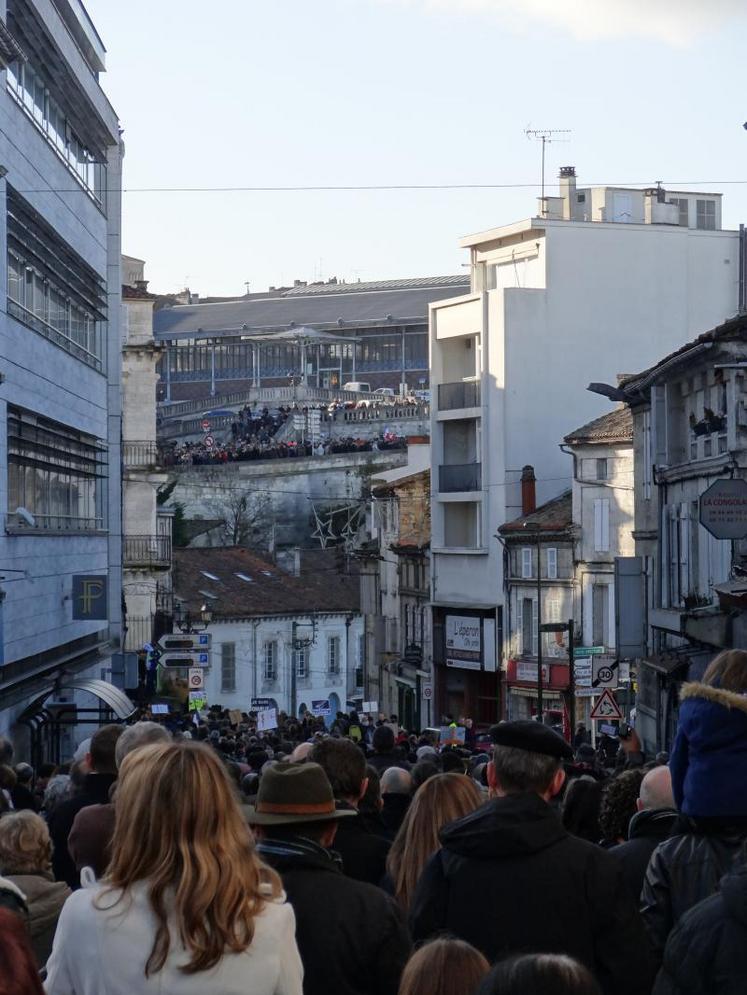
x: 532, y: 737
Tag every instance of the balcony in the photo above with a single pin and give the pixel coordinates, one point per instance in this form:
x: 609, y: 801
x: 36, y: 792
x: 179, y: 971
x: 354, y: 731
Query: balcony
x: 460, y: 478
x: 140, y: 455
x: 147, y: 552
x: 462, y: 394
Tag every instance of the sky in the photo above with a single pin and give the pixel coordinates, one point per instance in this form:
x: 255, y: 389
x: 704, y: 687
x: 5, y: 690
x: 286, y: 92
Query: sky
x: 237, y: 93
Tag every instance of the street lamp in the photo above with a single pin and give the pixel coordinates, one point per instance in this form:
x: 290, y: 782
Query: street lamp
x: 186, y: 622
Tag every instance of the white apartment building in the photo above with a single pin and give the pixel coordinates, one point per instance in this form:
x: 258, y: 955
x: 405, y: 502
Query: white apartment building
x: 604, y: 280
x: 60, y: 359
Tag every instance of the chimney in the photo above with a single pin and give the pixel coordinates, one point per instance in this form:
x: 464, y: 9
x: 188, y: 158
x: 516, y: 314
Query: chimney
x: 567, y: 177
x: 528, y: 490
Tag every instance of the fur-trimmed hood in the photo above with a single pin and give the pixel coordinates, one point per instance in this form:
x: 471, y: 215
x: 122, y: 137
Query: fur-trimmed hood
x: 709, y: 757
x: 719, y: 696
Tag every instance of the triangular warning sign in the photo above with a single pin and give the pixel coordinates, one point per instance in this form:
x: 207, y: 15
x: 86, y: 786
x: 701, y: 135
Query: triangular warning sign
x: 606, y: 707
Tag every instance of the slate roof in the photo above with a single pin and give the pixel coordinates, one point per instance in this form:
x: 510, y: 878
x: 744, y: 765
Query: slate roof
x: 553, y: 516
x: 211, y: 576
x: 136, y: 294
x: 615, y: 426
x: 355, y: 307
x: 415, y: 283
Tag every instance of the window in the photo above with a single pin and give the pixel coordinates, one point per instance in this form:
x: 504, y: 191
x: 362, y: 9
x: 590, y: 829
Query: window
x: 526, y: 563
x: 528, y: 627
x: 333, y: 655
x: 601, y: 525
x: 706, y: 214
x: 302, y: 661
x: 601, y: 469
x: 55, y: 472
x: 600, y: 614
x: 647, y: 475
x: 228, y: 666
x: 51, y: 289
x: 27, y: 87
x: 271, y: 661
x: 684, y: 208
x: 552, y: 566
x: 361, y: 650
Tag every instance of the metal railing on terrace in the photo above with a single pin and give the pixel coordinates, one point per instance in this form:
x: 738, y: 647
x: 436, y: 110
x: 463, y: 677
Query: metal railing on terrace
x: 270, y: 395
x: 462, y: 394
x: 460, y: 477
x: 146, y: 551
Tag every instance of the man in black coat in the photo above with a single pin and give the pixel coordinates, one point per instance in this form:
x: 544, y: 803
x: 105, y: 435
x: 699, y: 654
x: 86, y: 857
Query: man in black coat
x: 351, y: 936
x: 652, y: 824
x: 103, y: 773
x: 509, y: 879
x: 707, y: 949
x: 385, y: 755
x: 363, y: 853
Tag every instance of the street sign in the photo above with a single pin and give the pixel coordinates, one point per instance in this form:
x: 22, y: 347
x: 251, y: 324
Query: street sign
x: 606, y: 707
x: 208, y: 442
x: 582, y: 673
x: 554, y: 627
x: 185, y: 641
x: 589, y: 651
x: 205, y: 425
x: 723, y: 509
x: 603, y: 673
x: 428, y: 692
x: 195, y: 679
x: 185, y: 658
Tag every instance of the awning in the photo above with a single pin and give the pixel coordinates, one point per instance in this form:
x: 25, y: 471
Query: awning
x: 668, y: 663
x: 406, y: 682
x: 111, y: 696
x: 547, y: 693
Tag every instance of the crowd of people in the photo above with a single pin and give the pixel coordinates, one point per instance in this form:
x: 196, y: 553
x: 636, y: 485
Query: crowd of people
x: 200, y: 454
x: 365, y: 859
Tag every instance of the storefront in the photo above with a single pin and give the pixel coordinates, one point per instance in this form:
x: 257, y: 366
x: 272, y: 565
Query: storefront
x: 467, y: 674
x: 521, y: 690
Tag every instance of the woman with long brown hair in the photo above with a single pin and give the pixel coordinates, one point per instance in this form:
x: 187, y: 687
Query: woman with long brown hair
x: 444, y: 967
x: 186, y: 905
x: 441, y: 799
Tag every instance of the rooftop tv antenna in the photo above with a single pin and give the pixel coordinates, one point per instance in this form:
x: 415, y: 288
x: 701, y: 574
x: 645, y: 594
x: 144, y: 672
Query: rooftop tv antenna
x: 545, y: 135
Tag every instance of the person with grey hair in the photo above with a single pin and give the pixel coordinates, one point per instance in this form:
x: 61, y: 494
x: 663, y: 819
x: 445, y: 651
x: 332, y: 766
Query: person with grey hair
x: 652, y: 823
x: 396, y: 795
x: 510, y: 879
x: 93, y: 828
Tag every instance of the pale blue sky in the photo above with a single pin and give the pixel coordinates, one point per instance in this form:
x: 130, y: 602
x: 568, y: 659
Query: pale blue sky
x: 238, y: 92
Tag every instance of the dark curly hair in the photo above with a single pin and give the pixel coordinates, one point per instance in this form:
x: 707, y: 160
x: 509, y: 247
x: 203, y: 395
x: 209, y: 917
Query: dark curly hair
x: 618, y: 805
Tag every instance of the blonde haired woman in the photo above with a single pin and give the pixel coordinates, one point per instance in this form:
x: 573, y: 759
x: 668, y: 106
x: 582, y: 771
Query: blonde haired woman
x: 186, y: 905
x: 441, y: 799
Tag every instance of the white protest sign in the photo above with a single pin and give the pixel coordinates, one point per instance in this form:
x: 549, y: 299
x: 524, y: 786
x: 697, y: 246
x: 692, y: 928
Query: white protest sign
x: 267, y: 720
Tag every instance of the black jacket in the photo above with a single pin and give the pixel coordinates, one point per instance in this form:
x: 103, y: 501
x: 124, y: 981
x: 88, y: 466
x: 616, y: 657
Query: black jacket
x: 394, y: 811
x: 682, y: 872
x: 383, y: 761
x: 363, y: 854
x: 95, y: 792
x: 646, y: 831
x: 707, y: 950
x: 351, y: 936
x: 511, y: 880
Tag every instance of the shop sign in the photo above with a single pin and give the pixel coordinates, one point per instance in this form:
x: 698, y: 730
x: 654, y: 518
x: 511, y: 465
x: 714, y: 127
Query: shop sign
x: 464, y: 642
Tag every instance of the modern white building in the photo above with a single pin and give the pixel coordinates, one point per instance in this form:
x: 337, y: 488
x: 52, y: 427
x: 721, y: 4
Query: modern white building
x: 60, y: 359
x: 292, y: 636
x: 602, y: 280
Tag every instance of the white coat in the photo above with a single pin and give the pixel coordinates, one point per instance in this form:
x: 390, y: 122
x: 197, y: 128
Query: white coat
x: 104, y: 952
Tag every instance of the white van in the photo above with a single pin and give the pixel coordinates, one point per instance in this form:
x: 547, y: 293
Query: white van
x: 357, y: 386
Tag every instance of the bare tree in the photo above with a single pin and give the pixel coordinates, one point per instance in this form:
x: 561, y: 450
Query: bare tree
x: 246, y: 519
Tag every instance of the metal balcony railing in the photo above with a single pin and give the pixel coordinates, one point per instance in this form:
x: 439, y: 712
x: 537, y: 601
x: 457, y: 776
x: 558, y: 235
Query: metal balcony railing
x: 140, y: 454
x: 460, y: 477
x: 146, y: 551
x: 139, y: 632
x: 462, y: 394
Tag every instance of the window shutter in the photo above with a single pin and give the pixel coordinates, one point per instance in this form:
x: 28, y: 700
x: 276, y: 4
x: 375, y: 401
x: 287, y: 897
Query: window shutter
x: 601, y: 525
x: 659, y: 425
x: 535, y: 627
x: 526, y: 563
x: 552, y: 564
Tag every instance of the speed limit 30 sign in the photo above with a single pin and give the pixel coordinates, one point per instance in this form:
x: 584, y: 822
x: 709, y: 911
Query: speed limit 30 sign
x: 603, y: 672
x: 195, y: 679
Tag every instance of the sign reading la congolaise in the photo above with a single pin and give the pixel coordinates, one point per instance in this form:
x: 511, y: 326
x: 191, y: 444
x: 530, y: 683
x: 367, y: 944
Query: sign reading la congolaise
x: 723, y: 509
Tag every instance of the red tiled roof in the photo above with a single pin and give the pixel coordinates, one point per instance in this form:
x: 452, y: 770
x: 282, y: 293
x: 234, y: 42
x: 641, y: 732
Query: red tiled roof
x: 553, y: 516
x: 136, y: 294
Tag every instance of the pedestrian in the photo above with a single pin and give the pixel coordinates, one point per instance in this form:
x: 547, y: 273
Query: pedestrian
x: 26, y: 861
x: 22, y: 795
x: 363, y: 853
x: 384, y: 754
x: 92, y: 830
x: 580, y: 808
x: 18, y: 971
x: 653, y: 822
x: 351, y: 936
x: 618, y: 806
x: 444, y: 967
x: 509, y: 877
x: 396, y: 795
x: 186, y: 905
x: 707, y: 949
x: 102, y: 773
x: 441, y: 800
x: 540, y: 974
x: 709, y: 772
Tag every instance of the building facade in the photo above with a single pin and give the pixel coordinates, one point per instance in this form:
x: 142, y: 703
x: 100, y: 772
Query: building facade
x: 60, y: 412
x: 555, y: 301
x: 690, y: 431
x: 381, y: 333
x: 292, y: 636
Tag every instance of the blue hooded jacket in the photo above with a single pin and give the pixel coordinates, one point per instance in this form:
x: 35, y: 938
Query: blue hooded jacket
x: 709, y: 758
